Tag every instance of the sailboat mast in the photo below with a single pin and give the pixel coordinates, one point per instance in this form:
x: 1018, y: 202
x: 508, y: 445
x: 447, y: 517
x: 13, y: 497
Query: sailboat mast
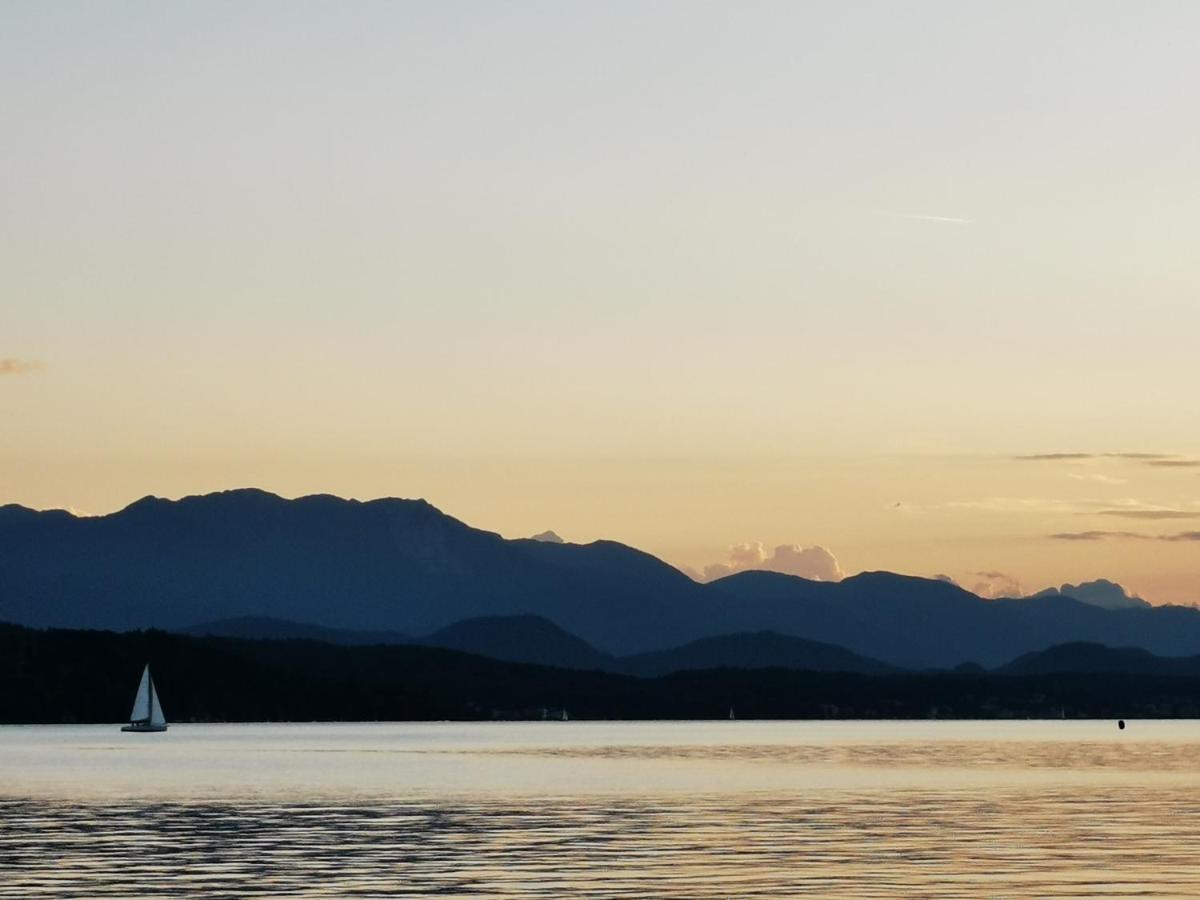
x: 150, y: 697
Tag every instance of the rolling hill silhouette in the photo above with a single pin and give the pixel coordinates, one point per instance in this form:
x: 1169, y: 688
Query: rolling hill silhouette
x: 760, y: 650
x: 403, y: 566
x: 1081, y: 657
x: 538, y: 641
x: 266, y: 628
x: 522, y: 639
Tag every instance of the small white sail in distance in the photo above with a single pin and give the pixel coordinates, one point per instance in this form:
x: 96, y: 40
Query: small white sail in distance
x: 147, y: 710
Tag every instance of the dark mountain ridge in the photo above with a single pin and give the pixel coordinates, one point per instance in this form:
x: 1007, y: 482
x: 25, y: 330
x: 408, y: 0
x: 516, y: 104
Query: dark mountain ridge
x: 402, y: 565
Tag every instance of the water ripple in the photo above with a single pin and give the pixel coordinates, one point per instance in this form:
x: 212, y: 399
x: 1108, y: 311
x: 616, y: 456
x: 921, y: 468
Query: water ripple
x: 1129, y: 757
x: 956, y: 843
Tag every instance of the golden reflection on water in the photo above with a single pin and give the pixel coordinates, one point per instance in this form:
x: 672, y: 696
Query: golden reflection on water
x: 937, y: 844
x: 634, y: 811
x: 1130, y: 757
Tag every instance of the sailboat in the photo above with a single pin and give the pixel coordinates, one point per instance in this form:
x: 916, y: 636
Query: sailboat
x: 147, y: 714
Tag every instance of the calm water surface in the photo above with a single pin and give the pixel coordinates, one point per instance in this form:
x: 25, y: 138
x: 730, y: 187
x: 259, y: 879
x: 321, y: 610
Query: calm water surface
x: 713, y: 809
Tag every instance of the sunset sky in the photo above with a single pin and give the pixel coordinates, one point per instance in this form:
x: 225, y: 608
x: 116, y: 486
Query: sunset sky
x: 916, y: 283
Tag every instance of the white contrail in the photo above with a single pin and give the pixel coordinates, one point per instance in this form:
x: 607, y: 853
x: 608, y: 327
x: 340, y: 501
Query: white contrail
x: 921, y: 217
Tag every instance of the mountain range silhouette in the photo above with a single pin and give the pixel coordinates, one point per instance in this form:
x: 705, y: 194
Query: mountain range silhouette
x: 404, y: 567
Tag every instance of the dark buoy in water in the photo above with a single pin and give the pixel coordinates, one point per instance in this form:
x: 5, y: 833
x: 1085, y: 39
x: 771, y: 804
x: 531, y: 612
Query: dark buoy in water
x: 1121, y: 724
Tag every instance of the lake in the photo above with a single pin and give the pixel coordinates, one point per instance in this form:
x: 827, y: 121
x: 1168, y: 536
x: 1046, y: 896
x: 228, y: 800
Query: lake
x: 692, y: 809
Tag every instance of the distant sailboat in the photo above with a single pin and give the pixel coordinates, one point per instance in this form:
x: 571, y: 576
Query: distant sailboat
x: 147, y: 714
x: 731, y: 715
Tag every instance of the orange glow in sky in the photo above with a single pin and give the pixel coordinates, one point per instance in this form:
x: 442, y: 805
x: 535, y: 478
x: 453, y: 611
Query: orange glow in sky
x: 906, y: 282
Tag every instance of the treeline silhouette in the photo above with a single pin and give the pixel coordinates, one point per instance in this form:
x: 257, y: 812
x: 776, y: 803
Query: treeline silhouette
x: 90, y: 676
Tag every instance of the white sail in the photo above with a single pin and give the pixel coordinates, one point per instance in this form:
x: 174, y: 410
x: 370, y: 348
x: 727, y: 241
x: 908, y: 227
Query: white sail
x: 141, y: 703
x: 156, y: 710
x: 147, y: 713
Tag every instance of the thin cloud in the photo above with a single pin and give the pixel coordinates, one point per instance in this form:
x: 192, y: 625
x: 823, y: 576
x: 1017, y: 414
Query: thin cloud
x: 1178, y: 536
x: 1129, y: 507
x: 1053, y: 457
x: 1014, y: 505
x: 1150, y: 459
x: 1127, y: 503
x: 1148, y: 514
x: 19, y: 366
x: 1100, y: 536
x: 1097, y: 477
x: 1175, y: 463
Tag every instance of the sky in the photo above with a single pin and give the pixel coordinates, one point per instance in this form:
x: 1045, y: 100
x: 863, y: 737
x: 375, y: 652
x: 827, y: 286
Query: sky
x: 907, y: 282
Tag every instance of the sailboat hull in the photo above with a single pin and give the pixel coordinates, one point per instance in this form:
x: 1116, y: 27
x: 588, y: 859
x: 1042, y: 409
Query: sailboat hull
x: 139, y: 728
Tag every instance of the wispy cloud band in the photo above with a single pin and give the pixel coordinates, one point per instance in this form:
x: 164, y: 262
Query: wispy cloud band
x: 1148, y: 514
x: 1163, y: 460
x: 1151, y: 458
x: 1124, y: 536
